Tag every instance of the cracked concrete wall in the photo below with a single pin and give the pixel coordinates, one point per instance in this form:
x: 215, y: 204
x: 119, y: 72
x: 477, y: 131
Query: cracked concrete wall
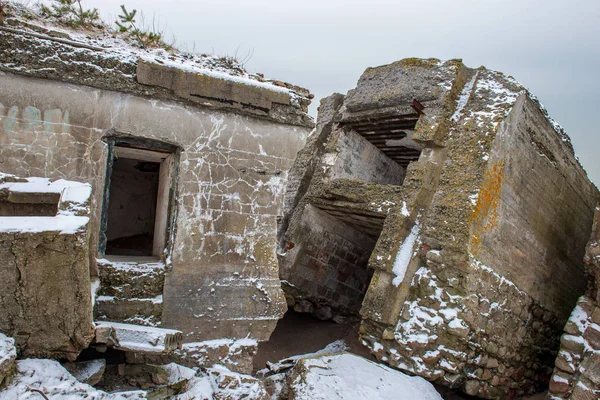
x: 223, y: 279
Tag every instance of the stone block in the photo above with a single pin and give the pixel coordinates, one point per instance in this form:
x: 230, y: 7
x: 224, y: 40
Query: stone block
x: 222, y: 91
x: 582, y: 392
x: 559, y: 382
x: 564, y: 362
x: 49, y: 311
x: 89, y: 372
x: 472, y: 387
x: 592, y: 335
x: 572, y: 343
x: 136, y: 338
x: 590, y: 368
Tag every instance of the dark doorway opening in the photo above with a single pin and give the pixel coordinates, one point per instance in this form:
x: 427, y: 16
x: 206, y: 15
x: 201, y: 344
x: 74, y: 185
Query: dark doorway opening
x: 138, y: 202
x: 132, y: 207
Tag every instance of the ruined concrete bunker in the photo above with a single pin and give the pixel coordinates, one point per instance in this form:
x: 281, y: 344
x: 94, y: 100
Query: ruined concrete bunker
x: 437, y: 203
x: 445, y: 207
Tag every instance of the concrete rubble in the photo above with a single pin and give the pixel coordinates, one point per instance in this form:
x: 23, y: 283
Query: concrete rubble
x: 8, y: 356
x: 136, y: 338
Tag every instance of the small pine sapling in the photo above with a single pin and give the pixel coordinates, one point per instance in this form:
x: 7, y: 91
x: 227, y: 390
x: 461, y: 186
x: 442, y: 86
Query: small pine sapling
x: 72, y: 11
x: 143, y: 37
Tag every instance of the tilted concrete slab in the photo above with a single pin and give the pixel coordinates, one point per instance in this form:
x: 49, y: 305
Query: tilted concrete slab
x: 128, y: 337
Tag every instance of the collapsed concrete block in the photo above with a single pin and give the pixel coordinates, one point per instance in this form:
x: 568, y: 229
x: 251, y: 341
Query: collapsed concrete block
x: 434, y: 207
x: 137, y: 338
x: 45, y: 289
x: 236, y: 355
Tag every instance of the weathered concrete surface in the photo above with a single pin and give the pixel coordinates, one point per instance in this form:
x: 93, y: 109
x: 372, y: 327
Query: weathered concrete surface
x: 30, y: 46
x: 577, y: 366
x: 495, y: 206
x: 223, y: 277
x: 131, y: 290
x: 45, y: 291
x: 212, y: 89
x: 236, y: 355
x: 89, y: 372
x: 128, y: 337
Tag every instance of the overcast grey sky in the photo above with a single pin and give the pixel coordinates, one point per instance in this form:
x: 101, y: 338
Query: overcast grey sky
x: 551, y: 46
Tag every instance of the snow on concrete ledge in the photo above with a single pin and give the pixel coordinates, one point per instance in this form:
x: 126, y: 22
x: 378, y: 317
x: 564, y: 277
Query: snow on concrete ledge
x: 347, y: 376
x: 138, y: 338
x: 72, y: 199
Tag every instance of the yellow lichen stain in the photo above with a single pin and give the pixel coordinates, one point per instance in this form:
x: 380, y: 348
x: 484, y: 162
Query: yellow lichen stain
x: 485, y: 216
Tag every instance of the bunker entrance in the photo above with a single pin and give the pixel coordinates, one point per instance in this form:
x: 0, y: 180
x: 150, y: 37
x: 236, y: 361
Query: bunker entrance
x: 331, y: 273
x: 325, y: 256
x: 132, y: 207
x: 137, y: 199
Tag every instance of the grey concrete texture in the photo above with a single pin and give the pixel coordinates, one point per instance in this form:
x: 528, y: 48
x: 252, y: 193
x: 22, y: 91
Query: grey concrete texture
x: 46, y: 293
x: 29, y: 50
x: 577, y: 367
x: 223, y: 279
x: 205, y: 88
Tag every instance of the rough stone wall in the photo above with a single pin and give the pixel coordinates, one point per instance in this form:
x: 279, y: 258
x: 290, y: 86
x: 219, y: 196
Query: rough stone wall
x: 223, y: 279
x: 332, y: 263
x: 577, y: 367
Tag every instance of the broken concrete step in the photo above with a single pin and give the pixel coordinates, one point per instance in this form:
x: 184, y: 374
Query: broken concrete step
x: 127, y: 278
x: 145, y: 312
x: 127, y: 337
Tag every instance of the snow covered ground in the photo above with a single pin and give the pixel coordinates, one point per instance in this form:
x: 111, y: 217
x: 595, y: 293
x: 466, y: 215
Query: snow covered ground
x: 55, y: 382
x: 347, y: 376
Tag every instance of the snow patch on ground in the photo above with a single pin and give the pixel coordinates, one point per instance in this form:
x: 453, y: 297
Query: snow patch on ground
x: 346, y: 376
x: 52, y: 379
